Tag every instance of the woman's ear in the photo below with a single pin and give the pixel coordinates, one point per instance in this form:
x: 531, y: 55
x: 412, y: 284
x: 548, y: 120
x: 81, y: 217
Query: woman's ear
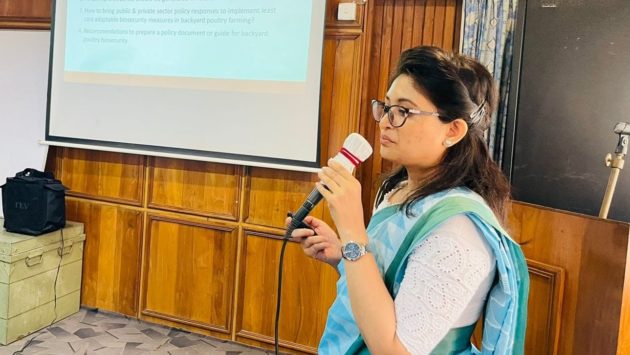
x: 456, y: 132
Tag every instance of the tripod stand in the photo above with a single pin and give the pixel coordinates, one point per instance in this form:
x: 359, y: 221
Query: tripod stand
x: 616, y: 165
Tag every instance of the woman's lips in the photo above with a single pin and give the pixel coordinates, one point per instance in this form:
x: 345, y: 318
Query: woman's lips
x: 386, y: 140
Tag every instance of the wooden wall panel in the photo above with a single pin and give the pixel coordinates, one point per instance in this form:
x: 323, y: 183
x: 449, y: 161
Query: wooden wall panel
x: 205, y: 189
x: 340, y: 94
x: 601, y: 281
x: 343, y: 91
x: 592, y: 253
x: 545, y: 308
x: 623, y: 345
x: 103, y: 176
x: 272, y: 193
x: 111, y: 258
x: 546, y: 296
x: 53, y: 160
x: 189, y: 272
x: 25, y: 14
x: 308, y: 291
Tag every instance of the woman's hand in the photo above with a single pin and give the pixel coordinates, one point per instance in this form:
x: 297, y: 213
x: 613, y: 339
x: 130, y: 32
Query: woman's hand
x: 343, y: 194
x: 321, y: 243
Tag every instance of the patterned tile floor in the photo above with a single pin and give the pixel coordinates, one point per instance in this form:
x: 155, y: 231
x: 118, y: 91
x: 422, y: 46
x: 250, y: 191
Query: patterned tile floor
x: 91, y: 332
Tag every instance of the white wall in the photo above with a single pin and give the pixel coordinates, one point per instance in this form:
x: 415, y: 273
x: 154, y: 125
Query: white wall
x: 23, y: 90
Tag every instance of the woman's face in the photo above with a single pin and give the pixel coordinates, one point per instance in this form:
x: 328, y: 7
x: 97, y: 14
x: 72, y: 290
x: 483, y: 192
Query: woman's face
x: 418, y: 144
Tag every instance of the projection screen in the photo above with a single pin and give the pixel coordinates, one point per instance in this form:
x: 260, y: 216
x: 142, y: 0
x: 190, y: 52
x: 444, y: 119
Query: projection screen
x: 235, y: 81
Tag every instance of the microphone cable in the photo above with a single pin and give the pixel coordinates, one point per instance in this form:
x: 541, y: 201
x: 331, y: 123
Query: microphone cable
x: 285, y: 240
x: 354, y: 151
x: 42, y: 331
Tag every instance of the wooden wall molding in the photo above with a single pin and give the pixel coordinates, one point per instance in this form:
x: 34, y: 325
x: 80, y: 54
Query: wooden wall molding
x: 104, y: 176
x: 334, y: 34
x: 195, y: 187
x: 187, y: 221
x: 308, y: 291
x: 271, y: 193
x: 111, y: 260
x: 182, y: 320
x: 545, y: 315
x: 255, y: 339
x: 24, y: 23
x: 189, y: 269
x: 25, y: 14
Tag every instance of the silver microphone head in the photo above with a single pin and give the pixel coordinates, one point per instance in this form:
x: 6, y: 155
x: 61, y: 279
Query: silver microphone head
x: 355, y: 150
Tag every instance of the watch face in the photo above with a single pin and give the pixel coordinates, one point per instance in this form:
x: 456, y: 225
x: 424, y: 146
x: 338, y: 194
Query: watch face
x: 352, y: 251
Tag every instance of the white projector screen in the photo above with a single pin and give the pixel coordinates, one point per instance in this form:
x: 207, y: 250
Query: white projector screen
x: 234, y: 81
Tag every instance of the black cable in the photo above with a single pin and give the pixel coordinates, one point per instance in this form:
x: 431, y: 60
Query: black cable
x: 57, y: 275
x: 28, y: 343
x: 286, y: 238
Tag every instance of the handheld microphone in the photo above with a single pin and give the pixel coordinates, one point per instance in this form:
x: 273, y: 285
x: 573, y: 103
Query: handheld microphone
x: 355, y: 150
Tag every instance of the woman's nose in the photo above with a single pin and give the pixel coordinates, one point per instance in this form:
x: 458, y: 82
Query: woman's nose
x: 384, y: 122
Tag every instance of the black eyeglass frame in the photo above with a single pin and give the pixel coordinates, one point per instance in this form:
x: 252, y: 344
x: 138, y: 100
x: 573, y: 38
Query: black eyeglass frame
x: 390, y: 116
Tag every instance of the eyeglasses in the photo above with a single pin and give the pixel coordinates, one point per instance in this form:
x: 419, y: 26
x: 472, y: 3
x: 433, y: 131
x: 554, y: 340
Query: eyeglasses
x: 397, y: 115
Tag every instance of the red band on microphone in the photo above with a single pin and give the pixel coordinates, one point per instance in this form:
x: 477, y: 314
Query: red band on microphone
x: 353, y: 159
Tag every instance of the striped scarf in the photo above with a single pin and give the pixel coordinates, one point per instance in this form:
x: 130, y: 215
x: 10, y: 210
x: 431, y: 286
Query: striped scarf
x: 392, y: 238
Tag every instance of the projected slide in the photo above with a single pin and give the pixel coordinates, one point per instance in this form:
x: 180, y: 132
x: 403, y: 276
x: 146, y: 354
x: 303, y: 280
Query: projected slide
x: 215, y: 39
x: 234, y: 81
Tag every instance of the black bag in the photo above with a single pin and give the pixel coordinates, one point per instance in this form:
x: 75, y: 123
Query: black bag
x: 33, y: 203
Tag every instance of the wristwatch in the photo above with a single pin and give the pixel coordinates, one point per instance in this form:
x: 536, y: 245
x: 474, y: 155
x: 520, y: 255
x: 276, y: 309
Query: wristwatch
x: 352, y: 250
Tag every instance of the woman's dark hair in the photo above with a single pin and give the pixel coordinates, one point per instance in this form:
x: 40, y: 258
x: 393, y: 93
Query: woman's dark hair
x: 459, y: 87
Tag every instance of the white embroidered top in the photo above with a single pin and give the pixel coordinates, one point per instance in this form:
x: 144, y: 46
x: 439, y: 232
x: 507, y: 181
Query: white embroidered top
x: 446, y: 283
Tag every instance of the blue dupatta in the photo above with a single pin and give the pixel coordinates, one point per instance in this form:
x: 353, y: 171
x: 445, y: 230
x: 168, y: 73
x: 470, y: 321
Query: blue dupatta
x: 392, y: 238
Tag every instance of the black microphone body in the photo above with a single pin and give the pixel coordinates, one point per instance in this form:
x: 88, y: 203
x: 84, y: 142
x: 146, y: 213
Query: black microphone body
x: 311, y: 201
x: 355, y: 150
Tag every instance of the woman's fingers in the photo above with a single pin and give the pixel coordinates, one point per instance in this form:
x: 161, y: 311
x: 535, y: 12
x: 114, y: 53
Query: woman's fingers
x: 301, y: 233
x: 310, y: 241
x: 335, y: 174
x: 337, y: 180
x: 340, y: 171
x: 329, y: 178
x: 316, y: 248
x: 312, y: 221
x: 320, y: 226
x: 315, y: 243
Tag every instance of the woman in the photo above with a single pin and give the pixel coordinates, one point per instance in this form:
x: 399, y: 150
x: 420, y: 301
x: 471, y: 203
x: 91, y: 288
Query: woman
x: 418, y: 279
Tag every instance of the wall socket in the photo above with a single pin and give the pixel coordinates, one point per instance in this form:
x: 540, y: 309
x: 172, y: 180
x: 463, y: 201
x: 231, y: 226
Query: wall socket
x: 347, y: 11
